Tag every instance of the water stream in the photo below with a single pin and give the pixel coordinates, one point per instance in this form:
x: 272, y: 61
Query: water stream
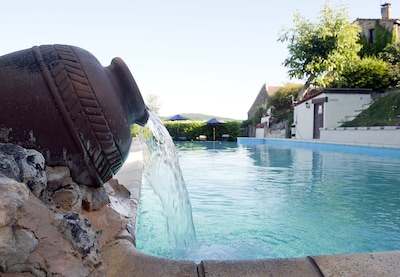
x: 162, y: 171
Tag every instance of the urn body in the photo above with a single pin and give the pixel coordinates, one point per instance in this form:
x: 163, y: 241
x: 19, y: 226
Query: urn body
x: 59, y: 100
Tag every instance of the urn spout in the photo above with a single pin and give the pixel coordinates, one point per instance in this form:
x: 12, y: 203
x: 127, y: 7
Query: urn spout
x: 132, y: 98
x: 143, y: 117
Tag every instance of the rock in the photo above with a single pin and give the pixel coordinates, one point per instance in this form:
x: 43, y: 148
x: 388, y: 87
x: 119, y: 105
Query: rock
x: 15, y: 244
x: 9, y: 167
x: 93, y: 198
x: 25, y: 244
x: 71, y: 197
x: 33, y: 172
x: 55, y: 253
x: 52, y: 226
x: 13, y: 195
x: 78, y: 230
x: 56, y: 176
x: 7, y: 246
x: 111, y: 221
x: 68, y: 198
x: 23, y: 165
x: 120, y: 200
x: 15, y: 247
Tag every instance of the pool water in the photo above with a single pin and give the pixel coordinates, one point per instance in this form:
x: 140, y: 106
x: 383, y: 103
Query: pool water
x: 265, y: 201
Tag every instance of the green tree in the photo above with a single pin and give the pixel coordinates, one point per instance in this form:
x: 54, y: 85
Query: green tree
x: 391, y: 55
x: 153, y: 104
x: 257, y: 115
x: 254, y: 120
x: 320, y: 50
x: 282, y: 101
x: 369, y: 72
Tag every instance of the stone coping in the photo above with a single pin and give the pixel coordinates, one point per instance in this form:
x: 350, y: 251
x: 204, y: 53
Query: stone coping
x: 140, y: 264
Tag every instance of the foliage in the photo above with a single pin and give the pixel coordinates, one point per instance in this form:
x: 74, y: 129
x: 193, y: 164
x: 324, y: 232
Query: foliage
x: 191, y: 130
x: 368, y: 72
x: 143, y: 131
x: 379, y: 67
x: 247, y: 122
x: 383, y: 112
x: 153, y: 103
x: 381, y: 39
x: 232, y: 128
x: 184, y: 128
x: 281, y: 102
x: 321, y: 50
x: 134, y: 130
x: 255, y: 119
x: 257, y: 115
x: 391, y: 55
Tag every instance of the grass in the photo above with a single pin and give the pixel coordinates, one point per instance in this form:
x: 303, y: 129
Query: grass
x: 385, y: 111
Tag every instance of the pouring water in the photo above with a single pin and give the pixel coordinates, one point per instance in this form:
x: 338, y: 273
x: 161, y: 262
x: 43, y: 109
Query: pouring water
x: 163, y: 173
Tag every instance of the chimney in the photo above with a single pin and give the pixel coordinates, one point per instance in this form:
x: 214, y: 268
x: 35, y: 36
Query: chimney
x: 386, y: 11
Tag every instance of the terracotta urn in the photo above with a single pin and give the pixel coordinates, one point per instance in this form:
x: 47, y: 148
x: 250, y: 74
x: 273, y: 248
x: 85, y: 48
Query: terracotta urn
x: 59, y: 100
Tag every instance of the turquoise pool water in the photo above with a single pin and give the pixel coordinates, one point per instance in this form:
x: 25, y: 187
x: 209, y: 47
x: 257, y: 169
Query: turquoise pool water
x: 268, y: 201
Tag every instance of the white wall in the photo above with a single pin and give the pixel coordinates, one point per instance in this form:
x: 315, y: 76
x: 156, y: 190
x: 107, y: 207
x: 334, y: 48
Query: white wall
x: 386, y: 136
x: 259, y: 132
x: 339, y: 108
x: 303, y: 121
x: 340, y: 105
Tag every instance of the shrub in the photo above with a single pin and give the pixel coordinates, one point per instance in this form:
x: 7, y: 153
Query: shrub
x: 369, y: 72
x: 281, y: 102
x: 391, y: 55
x: 191, y: 130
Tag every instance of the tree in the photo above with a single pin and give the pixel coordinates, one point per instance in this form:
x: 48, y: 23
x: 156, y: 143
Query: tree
x: 281, y: 102
x: 369, y: 72
x: 319, y: 51
x: 153, y: 103
x: 391, y: 55
x: 257, y: 115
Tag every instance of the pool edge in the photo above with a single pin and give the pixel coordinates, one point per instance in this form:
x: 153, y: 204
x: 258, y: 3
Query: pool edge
x: 143, y: 265
x: 298, y: 142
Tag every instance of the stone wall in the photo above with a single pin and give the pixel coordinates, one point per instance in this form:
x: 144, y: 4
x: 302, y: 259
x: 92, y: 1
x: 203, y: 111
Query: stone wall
x: 52, y: 226
x: 276, y: 130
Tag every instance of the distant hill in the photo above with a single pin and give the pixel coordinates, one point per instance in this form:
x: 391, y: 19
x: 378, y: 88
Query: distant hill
x: 200, y: 117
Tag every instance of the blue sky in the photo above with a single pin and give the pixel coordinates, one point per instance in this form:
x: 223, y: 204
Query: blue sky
x: 209, y: 56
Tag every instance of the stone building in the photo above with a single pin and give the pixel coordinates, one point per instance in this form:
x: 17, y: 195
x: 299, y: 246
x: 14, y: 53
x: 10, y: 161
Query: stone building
x: 261, y: 99
x: 386, y: 22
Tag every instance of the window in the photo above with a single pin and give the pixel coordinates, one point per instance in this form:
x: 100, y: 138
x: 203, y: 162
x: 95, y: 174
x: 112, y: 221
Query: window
x: 371, y: 35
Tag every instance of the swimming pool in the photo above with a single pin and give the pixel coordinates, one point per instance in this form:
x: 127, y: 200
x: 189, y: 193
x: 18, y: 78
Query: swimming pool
x: 267, y: 201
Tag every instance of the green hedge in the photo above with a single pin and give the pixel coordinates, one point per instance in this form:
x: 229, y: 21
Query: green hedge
x: 191, y: 130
